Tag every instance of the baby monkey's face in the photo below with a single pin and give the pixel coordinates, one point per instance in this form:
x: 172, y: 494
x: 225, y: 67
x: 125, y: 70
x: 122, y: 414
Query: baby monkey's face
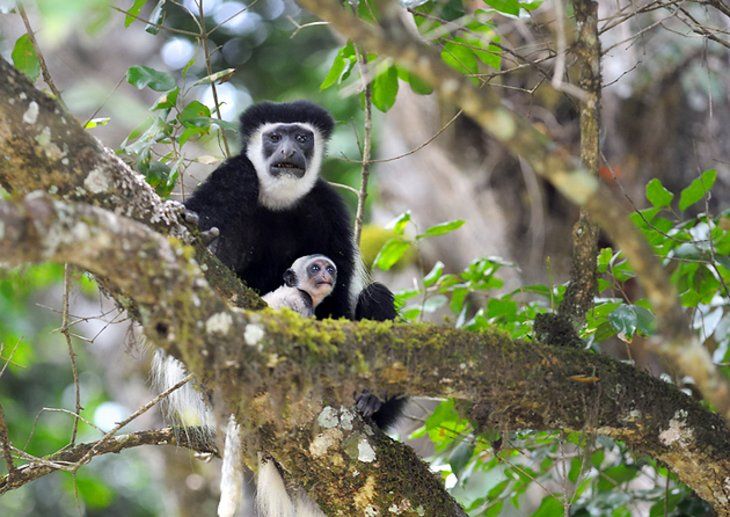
x: 316, y: 275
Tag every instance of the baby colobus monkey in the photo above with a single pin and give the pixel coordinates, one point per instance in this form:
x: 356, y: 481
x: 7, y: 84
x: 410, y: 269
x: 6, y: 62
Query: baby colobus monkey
x: 307, y: 283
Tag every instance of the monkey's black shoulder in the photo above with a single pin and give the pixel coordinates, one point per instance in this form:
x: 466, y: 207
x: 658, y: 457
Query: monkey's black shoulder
x: 285, y: 113
x: 230, y: 188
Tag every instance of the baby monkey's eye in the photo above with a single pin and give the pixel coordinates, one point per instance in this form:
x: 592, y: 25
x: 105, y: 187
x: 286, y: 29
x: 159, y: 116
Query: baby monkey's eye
x: 330, y: 269
x: 315, y: 268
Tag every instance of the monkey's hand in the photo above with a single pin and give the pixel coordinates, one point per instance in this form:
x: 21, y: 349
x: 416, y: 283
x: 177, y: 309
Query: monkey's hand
x: 209, y: 235
x: 367, y: 404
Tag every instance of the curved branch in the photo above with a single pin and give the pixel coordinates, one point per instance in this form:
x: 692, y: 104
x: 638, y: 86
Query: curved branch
x: 68, y: 457
x: 45, y: 148
x: 554, y: 163
x: 278, y: 371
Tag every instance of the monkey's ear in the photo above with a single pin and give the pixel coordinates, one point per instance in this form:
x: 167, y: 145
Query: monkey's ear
x: 290, y: 278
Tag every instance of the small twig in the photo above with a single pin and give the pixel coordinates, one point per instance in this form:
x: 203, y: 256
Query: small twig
x: 108, y: 436
x: 71, y: 353
x: 156, y: 25
x: 362, y: 196
x: 559, y: 70
x: 65, y: 459
x: 345, y: 187
x: 41, y: 61
x: 5, y: 443
x: 299, y: 27
x: 203, y: 38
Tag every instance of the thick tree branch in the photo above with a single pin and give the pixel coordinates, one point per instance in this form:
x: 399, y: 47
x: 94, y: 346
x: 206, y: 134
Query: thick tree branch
x: 45, y: 148
x: 391, y: 38
x: 279, y: 372
x: 69, y: 457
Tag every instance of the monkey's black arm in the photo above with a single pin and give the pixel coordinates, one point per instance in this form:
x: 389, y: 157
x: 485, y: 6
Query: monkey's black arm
x: 222, y: 198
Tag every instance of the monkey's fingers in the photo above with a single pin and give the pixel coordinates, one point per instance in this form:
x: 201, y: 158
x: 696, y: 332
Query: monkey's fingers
x: 191, y: 217
x: 210, y: 235
x: 367, y: 404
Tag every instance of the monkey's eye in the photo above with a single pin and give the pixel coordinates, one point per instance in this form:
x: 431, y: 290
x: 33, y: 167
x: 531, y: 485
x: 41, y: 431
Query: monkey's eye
x: 302, y: 138
x: 274, y: 137
x: 330, y: 270
x: 315, y: 268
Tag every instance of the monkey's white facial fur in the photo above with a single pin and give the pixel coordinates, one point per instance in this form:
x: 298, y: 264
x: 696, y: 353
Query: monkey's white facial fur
x: 270, y: 145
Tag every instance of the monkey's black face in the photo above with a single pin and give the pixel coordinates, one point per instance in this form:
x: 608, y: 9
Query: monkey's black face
x: 288, y: 148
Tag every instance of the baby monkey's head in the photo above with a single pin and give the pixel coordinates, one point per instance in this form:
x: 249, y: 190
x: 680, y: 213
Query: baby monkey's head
x: 316, y: 275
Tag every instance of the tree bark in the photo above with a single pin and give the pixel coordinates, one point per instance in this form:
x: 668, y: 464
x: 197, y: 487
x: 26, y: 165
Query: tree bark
x: 392, y: 39
x: 287, y: 378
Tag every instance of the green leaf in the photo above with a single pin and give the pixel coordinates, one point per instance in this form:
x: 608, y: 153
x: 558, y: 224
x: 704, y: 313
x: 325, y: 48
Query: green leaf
x: 391, y: 252
x: 491, y: 56
x: 628, y: 319
x: 697, y: 189
x: 167, y: 100
x: 613, y: 477
x: 143, y: 76
x: 433, y: 276
x: 156, y: 18
x: 549, y: 507
x: 195, y: 114
x: 418, y: 85
x: 341, y: 66
x: 398, y: 225
x: 441, y: 229
x: 511, y: 7
x: 97, y: 122
x: 460, y: 58
x: 133, y: 12
x: 220, y: 76
x: 25, y: 58
x: 497, y: 489
x: 657, y: 194
x: 460, y: 456
x: 385, y: 89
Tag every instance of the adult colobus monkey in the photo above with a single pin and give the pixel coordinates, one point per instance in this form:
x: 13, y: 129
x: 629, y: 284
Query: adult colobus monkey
x: 267, y: 207
x: 270, y: 206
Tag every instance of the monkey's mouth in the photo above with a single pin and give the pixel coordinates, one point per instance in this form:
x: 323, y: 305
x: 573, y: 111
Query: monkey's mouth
x: 287, y: 168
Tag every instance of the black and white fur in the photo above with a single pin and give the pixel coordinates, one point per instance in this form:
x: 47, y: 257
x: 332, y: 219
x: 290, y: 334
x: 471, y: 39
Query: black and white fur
x: 268, y: 220
x: 307, y: 282
x: 266, y: 212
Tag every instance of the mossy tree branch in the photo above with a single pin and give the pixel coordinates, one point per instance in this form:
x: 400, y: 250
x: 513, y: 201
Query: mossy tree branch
x: 45, y: 148
x: 288, y: 378
x: 391, y: 38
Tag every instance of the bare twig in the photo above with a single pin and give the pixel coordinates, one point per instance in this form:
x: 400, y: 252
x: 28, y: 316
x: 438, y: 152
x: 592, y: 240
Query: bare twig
x: 362, y: 59
x: 41, y: 61
x: 562, y: 44
x: 71, y: 353
x: 65, y: 459
x: 172, y: 30
x: 203, y: 38
x: 108, y: 436
x: 5, y: 443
